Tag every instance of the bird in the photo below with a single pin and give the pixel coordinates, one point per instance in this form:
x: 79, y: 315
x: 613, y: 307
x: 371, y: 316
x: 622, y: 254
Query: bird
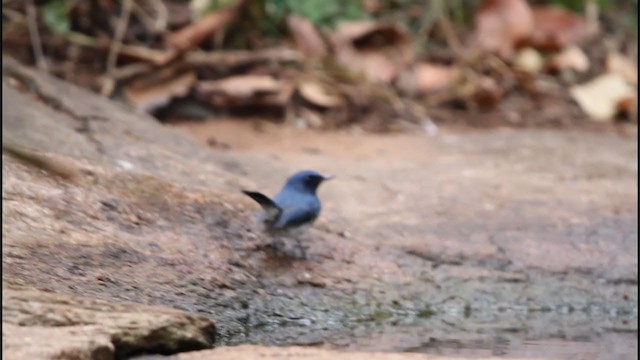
x: 294, y: 209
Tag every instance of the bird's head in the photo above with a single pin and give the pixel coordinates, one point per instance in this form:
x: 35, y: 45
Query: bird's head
x: 307, y: 181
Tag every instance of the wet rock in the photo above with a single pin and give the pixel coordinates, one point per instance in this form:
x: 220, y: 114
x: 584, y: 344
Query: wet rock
x: 442, y: 251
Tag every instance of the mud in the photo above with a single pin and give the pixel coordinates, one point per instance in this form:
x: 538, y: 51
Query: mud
x: 467, y: 240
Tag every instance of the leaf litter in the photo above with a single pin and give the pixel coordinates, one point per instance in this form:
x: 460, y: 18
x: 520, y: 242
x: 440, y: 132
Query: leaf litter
x: 363, y: 71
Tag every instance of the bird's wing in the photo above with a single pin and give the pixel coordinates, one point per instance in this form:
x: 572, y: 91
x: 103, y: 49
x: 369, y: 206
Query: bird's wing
x: 296, y: 216
x: 271, y: 210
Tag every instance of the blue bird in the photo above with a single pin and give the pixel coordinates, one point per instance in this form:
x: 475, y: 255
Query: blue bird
x: 294, y: 209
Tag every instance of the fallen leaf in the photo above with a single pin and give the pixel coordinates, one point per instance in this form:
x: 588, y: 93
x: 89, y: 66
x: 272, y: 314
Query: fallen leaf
x: 317, y: 94
x: 425, y: 78
x: 629, y: 106
x: 306, y: 37
x: 571, y: 58
x: 487, y: 93
x: 156, y: 57
x: 379, y: 51
x: 226, y: 60
x: 600, y: 97
x: 241, y: 86
x: 556, y: 28
x: 192, y: 35
x: 375, y: 66
x: 501, y: 25
x: 245, y: 90
x: 619, y: 64
x: 155, y: 92
x: 528, y: 60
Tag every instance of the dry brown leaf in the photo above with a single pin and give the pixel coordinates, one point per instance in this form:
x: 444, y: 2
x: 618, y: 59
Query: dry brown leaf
x: 618, y: 63
x: 192, y: 35
x: 317, y: 94
x: 425, y: 78
x: 375, y: 66
x: 307, y: 38
x: 503, y: 24
x: 528, y: 60
x: 556, y: 28
x: 629, y: 106
x: 225, y: 60
x: 241, y: 86
x: 147, y: 96
x: 571, y: 58
x: 379, y: 51
x: 432, y: 77
x: 601, y: 97
x: 245, y: 90
x: 487, y: 93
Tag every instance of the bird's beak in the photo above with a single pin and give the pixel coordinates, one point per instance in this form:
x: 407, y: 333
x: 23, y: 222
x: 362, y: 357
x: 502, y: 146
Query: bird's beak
x: 327, y: 177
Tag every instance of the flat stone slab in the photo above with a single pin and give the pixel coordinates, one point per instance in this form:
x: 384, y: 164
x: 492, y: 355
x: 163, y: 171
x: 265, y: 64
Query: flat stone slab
x: 465, y: 238
x: 39, y: 325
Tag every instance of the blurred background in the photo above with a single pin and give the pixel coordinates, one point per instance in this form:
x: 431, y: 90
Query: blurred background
x: 375, y: 64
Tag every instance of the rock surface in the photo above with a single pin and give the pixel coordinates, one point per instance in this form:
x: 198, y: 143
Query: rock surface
x: 43, y: 325
x: 467, y: 239
x: 251, y: 352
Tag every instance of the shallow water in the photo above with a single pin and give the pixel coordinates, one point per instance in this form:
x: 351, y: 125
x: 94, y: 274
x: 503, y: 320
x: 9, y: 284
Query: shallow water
x: 611, y: 346
x: 624, y: 347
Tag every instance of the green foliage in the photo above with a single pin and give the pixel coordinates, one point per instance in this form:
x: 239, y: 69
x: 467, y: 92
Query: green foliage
x: 55, y: 15
x: 206, y: 6
x: 320, y: 12
x: 578, y: 5
x: 630, y: 19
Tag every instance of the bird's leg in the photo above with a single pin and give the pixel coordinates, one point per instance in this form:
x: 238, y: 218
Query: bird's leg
x: 301, y: 248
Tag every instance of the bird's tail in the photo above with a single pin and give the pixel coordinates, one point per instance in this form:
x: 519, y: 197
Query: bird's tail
x: 271, y: 210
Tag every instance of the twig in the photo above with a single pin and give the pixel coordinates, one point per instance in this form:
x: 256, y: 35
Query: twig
x: 81, y: 39
x: 428, y: 21
x: 13, y: 16
x: 153, y: 25
x: 129, y: 71
x: 144, y: 17
x: 114, y: 51
x: 157, y: 57
x: 34, y: 35
x: 162, y: 14
x: 449, y: 32
x: 591, y: 13
x: 233, y: 58
x: 192, y: 35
